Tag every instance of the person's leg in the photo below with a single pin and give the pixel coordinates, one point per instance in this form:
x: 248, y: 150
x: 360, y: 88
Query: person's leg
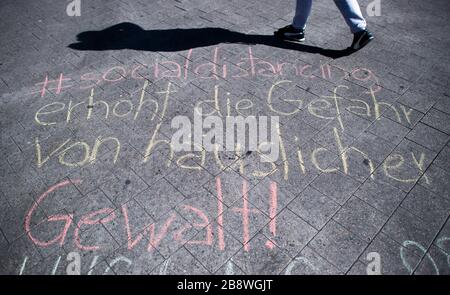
x: 352, y: 14
x: 302, y: 11
x: 296, y: 30
x: 355, y: 20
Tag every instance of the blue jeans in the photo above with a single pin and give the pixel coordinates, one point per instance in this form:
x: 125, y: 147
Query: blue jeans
x: 349, y: 8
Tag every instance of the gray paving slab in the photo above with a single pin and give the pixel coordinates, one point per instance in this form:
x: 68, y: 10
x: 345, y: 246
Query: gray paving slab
x: 88, y: 164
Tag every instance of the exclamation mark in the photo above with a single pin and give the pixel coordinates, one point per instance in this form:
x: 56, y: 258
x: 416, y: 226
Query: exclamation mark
x: 220, y: 214
x: 272, y: 213
x: 326, y: 71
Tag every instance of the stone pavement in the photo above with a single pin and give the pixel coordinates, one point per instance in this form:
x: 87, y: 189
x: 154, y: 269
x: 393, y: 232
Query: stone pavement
x: 87, y: 165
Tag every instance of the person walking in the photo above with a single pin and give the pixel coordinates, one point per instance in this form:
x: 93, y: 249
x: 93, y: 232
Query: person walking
x: 349, y: 9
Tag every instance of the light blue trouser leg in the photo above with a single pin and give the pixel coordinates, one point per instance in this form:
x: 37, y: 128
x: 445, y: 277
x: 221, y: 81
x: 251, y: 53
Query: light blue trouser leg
x: 302, y: 11
x: 349, y: 8
x: 352, y: 14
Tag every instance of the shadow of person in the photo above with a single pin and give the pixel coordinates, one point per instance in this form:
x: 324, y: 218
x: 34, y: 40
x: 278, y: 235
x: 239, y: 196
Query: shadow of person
x: 131, y: 36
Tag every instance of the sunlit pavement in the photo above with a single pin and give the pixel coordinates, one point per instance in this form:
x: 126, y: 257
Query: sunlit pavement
x: 88, y: 174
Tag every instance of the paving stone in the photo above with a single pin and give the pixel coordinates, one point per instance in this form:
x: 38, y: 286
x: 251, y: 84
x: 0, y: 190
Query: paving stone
x: 314, y: 207
x: 388, y: 130
x: 19, y: 256
x: 159, y: 198
x: 295, y: 181
x: 251, y: 167
x: 443, y: 158
x: 443, y: 104
x: 435, y: 262
x: 58, y: 263
x: 92, y: 177
x: 338, y: 246
x: 18, y: 214
x: 126, y: 262
x: 396, y: 84
x: 436, y: 181
x: 428, y: 137
x: 243, y: 220
x: 101, y: 268
x: 360, y: 218
x: 404, y: 227
x: 169, y: 233
x: 94, y: 201
x: 129, y: 224
x: 403, y: 115
x: 352, y: 124
x: 230, y: 268
x: 396, y: 172
x: 230, y: 184
x: 394, y: 258
x: 362, y: 157
x: 92, y: 239
x: 336, y: 185
x: 438, y: 120
x: 155, y: 168
x: 417, y: 100
x: 261, y: 260
x: 414, y: 154
x: 188, y: 181
x: 201, y: 209
x: 127, y: 186
x: 327, y: 138
x: 181, y: 262
x: 294, y: 236
x: 207, y: 247
x: 382, y: 196
x: 358, y: 269
x: 374, y: 146
x: 268, y: 197
x: 431, y: 208
x: 309, y: 262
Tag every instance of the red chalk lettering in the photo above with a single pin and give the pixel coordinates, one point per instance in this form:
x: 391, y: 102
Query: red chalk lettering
x: 91, y: 219
x: 155, y: 240
x: 66, y: 218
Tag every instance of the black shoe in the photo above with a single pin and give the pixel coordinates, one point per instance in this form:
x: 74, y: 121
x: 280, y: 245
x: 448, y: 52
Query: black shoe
x: 361, y: 39
x: 291, y: 33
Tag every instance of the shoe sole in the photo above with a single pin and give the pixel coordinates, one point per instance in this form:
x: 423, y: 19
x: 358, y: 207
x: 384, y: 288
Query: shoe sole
x: 286, y: 38
x: 362, y: 45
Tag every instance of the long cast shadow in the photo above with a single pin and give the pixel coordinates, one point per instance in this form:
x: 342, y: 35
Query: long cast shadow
x: 131, y: 36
